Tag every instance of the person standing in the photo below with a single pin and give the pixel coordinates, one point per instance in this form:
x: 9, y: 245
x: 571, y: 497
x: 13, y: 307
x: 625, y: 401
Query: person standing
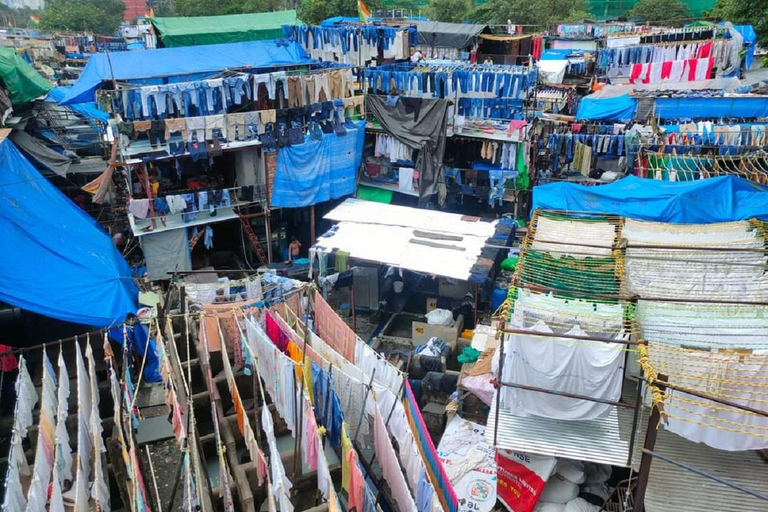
x: 294, y: 249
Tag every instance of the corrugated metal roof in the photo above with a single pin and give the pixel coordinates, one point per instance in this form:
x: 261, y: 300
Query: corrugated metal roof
x: 671, y: 488
x: 603, y: 440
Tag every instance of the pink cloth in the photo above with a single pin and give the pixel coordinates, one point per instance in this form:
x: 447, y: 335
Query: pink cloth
x: 356, y: 483
x: 385, y: 454
x: 480, y: 385
x: 516, y: 124
x: 139, y: 208
x: 310, y: 435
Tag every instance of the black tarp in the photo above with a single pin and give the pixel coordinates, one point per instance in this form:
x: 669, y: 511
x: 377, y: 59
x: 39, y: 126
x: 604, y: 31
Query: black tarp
x: 448, y: 35
x: 419, y: 123
x: 40, y: 153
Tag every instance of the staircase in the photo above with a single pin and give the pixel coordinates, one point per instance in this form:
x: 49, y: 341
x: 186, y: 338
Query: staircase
x: 254, y: 239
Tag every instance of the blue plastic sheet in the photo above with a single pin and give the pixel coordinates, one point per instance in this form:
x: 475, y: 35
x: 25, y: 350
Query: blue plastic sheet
x: 705, y: 108
x: 750, y: 38
x: 318, y: 170
x: 330, y: 22
x: 617, y: 108
x: 181, y: 62
x: 55, y: 259
x: 89, y: 110
x: 139, y: 340
x: 721, y: 199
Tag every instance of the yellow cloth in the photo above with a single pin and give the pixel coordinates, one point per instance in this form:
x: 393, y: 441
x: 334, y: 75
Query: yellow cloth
x: 297, y: 356
x: 308, y: 380
x: 346, y: 446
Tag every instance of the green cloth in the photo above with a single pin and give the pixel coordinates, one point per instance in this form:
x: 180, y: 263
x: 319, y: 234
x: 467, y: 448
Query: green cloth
x: 233, y: 28
x: 377, y: 195
x: 509, y: 263
x: 342, y: 261
x: 595, y: 276
x: 469, y: 355
x: 523, y: 181
x: 23, y: 81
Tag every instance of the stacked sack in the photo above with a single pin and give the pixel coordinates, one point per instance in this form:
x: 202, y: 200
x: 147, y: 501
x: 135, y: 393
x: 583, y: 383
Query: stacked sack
x: 575, y: 487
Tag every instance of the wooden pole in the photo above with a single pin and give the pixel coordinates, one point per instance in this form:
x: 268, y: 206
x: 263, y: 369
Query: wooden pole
x: 312, y: 239
x: 649, y: 445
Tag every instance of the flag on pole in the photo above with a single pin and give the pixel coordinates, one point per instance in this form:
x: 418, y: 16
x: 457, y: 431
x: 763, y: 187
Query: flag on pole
x: 363, y: 11
x: 34, y: 19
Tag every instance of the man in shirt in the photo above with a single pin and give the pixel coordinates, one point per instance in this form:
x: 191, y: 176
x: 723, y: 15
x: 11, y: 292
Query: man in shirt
x: 416, y: 56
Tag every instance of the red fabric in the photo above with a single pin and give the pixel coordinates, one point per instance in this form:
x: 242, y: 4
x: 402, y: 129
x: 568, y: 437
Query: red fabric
x: 637, y: 70
x: 647, y: 72
x: 691, y: 63
x: 710, y: 65
x: 704, y: 51
x: 536, y: 47
x: 666, y: 69
x: 8, y: 362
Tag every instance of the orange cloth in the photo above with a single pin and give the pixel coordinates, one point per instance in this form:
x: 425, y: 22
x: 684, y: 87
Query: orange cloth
x: 238, y: 403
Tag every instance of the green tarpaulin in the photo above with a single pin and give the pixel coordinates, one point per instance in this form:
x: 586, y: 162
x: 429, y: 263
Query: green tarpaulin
x: 234, y: 28
x: 23, y: 81
x: 374, y: 194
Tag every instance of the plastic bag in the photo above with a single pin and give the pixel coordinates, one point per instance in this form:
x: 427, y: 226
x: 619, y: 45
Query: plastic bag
x: 440, y: 317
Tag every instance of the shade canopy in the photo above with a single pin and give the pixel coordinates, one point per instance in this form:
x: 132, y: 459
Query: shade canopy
x: 233, y: 28
x: 175, y: 64
x: 23, y: 81
x: 721, y: 199
x: 55, y: 259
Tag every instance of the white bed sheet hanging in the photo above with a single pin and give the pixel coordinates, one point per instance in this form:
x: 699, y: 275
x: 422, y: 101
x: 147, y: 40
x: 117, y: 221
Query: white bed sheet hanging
x: 717, y: 374
x: 570, y: 234
x: 587, y: 368
x: 561, y: 315
x: 684, y: 273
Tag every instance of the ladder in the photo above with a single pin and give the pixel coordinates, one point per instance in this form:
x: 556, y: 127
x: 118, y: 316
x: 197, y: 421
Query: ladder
x: 254, y: 240
x: 193, y: 241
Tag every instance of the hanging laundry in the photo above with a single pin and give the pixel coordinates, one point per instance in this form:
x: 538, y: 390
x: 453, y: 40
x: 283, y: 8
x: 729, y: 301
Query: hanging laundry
x: 46, y: 441
x: 99, y: 489
x: 63, y: 451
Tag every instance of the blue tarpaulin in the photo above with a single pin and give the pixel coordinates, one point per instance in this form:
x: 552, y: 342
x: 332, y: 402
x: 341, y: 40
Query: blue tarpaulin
x: 55, y: 259
x: 318, y: 170
x: 721, y: 199
x: 182, y: 62
x: 89, y: 110
x: 705, y: 108
x: 617, y: 108
x: 330, y: 22
x: 140, y: 342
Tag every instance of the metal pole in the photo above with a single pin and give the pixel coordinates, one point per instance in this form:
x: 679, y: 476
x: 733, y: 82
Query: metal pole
x: 635, y: 419
x: 569, y: 336
x: 647, y: 458
x: 706, y: 397
x: 352, y: 305
x: 365, y: 399
x: 567, y: 395
x: 498, y: 387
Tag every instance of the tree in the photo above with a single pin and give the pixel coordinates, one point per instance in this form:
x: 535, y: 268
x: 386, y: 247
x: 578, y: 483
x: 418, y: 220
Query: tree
x: 744, y: 12
x: 452, y: 11
x: 210, y: 8
x: 542, y: 13
x: 97, y: 16
x: 313, y: 12
x: 666, y: 12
